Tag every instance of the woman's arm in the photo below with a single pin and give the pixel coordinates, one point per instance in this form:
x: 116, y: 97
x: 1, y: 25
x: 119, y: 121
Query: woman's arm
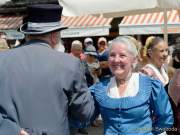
x: 161, y: 108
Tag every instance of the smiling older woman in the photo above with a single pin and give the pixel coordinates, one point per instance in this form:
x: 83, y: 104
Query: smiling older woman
x: 128, y: 101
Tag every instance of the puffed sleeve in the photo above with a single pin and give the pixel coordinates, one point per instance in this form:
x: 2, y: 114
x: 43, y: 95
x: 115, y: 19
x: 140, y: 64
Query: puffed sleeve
x: 93, y: 89
x: 161, y: 108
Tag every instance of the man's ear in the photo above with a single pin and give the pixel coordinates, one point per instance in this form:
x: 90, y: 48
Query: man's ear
x: 53, y: 38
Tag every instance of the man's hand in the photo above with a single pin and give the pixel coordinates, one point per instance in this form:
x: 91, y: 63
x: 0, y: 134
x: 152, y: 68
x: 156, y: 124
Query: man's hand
x: 22, y: 132
x: 104, y: 64
x: 148, y: 71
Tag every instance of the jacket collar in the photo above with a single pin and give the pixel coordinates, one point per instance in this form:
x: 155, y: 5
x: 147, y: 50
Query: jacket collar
x: 37, y: 42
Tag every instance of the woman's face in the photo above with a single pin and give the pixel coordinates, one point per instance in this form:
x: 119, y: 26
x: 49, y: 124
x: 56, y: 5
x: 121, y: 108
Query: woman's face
x: 102, y: 46
x: 159, y: 53
x: 120, y: 60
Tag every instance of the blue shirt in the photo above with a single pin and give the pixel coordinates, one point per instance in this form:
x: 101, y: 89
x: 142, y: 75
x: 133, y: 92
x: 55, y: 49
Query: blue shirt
x: 104, y: 71
x: 133, y: 115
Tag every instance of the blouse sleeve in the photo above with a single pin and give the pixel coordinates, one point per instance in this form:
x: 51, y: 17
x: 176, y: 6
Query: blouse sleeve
x: 161, y: 108
x: 93, y: 88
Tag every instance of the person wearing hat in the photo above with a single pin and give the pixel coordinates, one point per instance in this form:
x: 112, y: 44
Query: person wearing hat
x: 93, y: 63
x: 41, y: 88
x: 88, y: 42
x: 103, y: 54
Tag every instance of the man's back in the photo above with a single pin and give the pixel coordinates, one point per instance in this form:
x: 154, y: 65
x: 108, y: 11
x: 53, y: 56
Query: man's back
x: 43, y: 86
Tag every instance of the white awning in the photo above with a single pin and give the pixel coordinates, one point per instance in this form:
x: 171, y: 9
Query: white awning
x: 116, y: 8
x: 151, y: 23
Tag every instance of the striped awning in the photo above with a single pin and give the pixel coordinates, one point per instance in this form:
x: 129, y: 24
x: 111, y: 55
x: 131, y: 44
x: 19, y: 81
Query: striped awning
x: 82, y: 26
x: 151, y: 23
x: 10, y: 22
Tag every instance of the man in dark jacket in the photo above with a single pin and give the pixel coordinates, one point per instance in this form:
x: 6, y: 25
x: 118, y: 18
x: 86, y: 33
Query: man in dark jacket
x: 40, y: 87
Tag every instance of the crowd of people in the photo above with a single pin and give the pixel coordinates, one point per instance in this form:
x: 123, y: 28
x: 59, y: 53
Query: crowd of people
x: 133, y: 88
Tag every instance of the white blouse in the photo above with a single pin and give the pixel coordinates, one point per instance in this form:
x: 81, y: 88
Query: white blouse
x: 131, y: 89
x: 160, y: 75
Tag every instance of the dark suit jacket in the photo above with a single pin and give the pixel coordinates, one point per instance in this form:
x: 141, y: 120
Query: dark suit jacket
x: 39, y: 88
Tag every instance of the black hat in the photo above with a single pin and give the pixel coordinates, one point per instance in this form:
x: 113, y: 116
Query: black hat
x: 42, y: 18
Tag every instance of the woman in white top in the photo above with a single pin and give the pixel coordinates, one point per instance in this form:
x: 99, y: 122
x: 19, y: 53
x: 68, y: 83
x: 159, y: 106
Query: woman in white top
x: 157, y: 52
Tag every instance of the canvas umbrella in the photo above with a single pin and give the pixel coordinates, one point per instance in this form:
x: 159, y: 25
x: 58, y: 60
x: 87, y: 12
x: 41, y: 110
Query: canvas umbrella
x: 2, y: 2
x: 118, y: 8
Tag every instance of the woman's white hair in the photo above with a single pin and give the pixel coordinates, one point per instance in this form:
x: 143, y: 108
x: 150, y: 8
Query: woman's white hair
x: 125, y: 40
x: 128, y: 41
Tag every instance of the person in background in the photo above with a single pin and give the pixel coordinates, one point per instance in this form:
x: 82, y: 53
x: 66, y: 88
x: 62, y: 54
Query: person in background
x: 171, y: 72
x: 103, y: 59
x: 93, y: 63
x: 168, y: 64
x: 174, y: 87
x: 174, y: 93
x: 127, y: 102
x: 178, y: 117
x: 95, y: 71
x: 144, y: 54
x: 41, y: 88
x: 3, y: 42
x: 77, y: 51
x: 157, y: 53
x: 176, y: 55
x: 158, y: 57
x: 88, y: 42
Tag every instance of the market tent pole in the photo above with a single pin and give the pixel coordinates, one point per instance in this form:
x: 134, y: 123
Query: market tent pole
x: 165, y: 25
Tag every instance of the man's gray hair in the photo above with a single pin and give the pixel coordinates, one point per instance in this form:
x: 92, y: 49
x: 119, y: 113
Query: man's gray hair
x: 125, y: 40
